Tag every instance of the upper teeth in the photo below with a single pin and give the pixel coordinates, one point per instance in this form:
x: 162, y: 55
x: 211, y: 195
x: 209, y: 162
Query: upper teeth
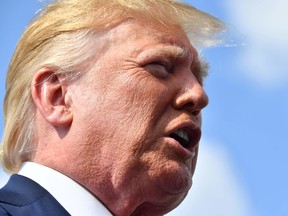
x: 183, y: 134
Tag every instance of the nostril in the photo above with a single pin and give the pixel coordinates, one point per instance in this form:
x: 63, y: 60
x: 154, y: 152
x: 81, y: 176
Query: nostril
x: 192, y: 99
x: 196, y: 113
x: 195, y: 110
x: 191, y: 108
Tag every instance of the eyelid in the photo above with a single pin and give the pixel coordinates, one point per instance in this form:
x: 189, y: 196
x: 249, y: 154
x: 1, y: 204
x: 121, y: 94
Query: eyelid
x: 159, y: 68
x: 166, y: 64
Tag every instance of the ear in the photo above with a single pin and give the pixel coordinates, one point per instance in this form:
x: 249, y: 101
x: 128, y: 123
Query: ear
x: 50, y: 96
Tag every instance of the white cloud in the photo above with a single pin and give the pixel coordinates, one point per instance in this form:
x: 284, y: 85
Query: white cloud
x: 216, y: 190
x: 264, y: 24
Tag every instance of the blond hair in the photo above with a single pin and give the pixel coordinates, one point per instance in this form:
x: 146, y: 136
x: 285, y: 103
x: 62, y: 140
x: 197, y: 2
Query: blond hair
x: 62, y: 36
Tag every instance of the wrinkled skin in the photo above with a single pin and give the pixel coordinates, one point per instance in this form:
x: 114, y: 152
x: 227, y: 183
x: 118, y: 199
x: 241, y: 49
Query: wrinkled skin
x: 146, y: 82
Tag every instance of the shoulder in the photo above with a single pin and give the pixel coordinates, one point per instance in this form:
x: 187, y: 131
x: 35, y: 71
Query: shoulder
x: 22, y: 196
x: 18, y: 192
x: 21, y: 191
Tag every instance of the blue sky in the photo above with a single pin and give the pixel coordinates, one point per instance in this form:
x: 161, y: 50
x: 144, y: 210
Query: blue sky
x: 243, y: 155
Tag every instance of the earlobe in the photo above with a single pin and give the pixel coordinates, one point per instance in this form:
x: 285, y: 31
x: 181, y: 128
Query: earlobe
x: 49, y: 93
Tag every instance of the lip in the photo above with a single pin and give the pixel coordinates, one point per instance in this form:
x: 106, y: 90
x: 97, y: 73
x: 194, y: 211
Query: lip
x: 194, y: 132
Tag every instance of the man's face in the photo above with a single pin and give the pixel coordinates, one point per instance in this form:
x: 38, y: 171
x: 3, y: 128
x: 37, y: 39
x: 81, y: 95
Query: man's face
x: 137, y: 116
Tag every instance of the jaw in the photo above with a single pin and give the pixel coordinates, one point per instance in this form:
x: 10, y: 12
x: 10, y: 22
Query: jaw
x: 155, y: 207
x: 159, y: 208
x: 138, y: 194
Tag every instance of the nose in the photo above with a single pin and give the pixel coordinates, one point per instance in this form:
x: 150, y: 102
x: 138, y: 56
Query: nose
x: 191, y: 97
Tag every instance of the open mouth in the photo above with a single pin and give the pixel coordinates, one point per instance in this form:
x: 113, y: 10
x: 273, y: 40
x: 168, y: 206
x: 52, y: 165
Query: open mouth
x: 182, y: 137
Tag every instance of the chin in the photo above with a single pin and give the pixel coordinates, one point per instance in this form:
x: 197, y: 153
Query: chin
x: 176, y: 185
x: 176, y: 181
x: 160, y: 207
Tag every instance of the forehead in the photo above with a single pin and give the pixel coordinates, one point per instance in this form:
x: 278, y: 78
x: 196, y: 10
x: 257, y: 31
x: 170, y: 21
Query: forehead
x: 139, y: 35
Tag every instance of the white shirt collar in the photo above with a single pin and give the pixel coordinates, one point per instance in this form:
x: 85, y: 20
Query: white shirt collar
x: 72, y: 196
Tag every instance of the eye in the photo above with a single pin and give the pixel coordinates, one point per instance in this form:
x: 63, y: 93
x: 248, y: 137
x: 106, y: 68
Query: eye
x: 159, y: 69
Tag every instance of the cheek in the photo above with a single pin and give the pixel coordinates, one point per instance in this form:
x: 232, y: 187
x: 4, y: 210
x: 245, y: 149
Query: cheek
x: 135, y: 100
x: 145, y: 97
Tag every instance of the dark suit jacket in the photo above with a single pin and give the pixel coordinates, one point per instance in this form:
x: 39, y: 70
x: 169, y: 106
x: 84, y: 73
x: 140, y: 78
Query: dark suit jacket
x: 23, y: 197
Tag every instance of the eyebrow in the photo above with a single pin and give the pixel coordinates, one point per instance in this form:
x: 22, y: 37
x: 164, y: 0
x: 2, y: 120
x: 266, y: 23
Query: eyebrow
x: 200, y: 70
x: 201, y: 65
x: 171, y: 51
x: 204, y: 68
